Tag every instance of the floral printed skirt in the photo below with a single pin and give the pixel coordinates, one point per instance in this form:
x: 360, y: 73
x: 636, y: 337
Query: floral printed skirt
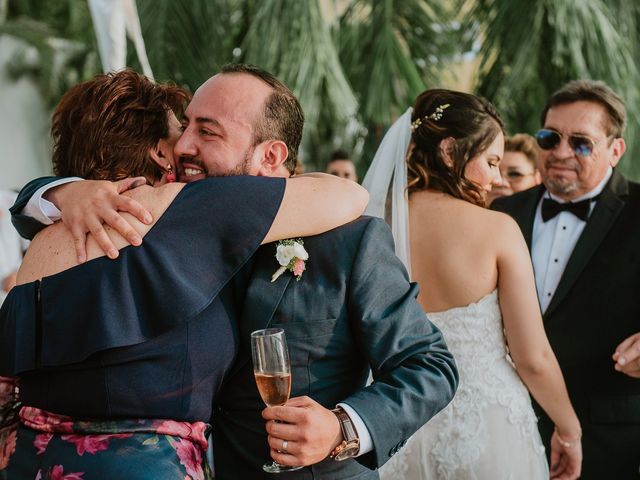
x: 40, y: 445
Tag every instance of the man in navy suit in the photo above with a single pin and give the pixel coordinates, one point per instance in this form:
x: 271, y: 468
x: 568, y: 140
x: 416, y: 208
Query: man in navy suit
x: 354, y: 310
x: 583, y: 230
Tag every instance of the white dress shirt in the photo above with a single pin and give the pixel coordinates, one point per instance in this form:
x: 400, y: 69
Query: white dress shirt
x: 46, y: 212
x: 43, y: 210
x: 553, y: 241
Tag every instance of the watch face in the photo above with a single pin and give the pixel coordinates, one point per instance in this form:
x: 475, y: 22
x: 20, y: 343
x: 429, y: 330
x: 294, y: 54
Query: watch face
x: 348, y: 452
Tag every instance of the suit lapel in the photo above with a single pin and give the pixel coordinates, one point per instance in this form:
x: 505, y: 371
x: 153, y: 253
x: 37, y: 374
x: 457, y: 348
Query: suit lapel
x: 604, y: 214
x: 261, y: 300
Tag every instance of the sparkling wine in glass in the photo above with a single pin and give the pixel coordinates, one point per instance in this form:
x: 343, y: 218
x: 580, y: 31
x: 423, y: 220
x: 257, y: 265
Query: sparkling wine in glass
x: 272, y: 370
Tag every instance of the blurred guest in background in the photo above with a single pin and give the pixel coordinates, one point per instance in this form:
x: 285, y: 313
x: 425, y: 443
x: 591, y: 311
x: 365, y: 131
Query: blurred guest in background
x: 342, y: 166
x: 518, y: 167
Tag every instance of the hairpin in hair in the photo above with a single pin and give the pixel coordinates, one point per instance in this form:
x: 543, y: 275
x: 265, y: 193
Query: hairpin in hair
x: 435, y: 116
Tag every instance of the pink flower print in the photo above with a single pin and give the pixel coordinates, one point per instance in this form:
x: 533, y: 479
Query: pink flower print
x: 191, y: 431
x: 42, y: 441
x: 7, y: 446
x: 8, y: 390
x: 57, y: 473
x: 191, y: 457
x: 92, y: 443
x: 298, y: 267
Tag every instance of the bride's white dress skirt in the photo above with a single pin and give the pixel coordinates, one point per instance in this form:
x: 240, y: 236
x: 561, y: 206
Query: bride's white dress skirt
x: 488, y: 431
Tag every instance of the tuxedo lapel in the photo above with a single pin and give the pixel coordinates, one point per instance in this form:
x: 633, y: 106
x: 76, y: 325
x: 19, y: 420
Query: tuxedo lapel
x: 526, y: 214
x: 605, y: 212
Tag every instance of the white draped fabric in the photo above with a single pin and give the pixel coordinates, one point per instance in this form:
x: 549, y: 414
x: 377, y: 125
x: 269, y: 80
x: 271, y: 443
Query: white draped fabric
x: 112, y: 21
x: 389, y: 166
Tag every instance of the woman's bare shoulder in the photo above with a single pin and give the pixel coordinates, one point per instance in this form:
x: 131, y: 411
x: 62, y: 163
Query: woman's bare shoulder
x: 53, y: 251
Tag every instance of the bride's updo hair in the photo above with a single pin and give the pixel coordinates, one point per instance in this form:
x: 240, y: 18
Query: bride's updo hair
x: 471, y: 121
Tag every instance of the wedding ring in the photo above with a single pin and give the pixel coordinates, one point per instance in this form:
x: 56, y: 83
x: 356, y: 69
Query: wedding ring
x: 285, y: 444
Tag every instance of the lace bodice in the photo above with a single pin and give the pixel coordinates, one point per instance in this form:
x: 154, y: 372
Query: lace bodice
x: 490, y: 425
x: 474, y: 334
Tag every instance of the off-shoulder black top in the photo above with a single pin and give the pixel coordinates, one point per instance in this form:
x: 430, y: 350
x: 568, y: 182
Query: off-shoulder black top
x: 152, y: 333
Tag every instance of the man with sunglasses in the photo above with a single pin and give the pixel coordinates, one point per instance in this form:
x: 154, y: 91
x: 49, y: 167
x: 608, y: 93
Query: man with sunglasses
x: 582, y: 226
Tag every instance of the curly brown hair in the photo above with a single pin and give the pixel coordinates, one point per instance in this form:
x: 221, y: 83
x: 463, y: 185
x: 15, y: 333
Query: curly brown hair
x: 471, y: 121
x: 104, y: 128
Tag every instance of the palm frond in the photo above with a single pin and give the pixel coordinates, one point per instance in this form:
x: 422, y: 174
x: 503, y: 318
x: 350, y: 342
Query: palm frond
x: 530, y: 48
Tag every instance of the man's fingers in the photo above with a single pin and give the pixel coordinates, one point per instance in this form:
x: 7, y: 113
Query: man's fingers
x: 120, y: 225
x: 277, y: 443
x: 127, y: 204
x: 104, y: 242
x: 282, y: 430
x: 285, y: 414
x: 630, y: 353
x: 129, y: 183
x: 626, y: 343
x: 299, y: 401
x: 285, y: 458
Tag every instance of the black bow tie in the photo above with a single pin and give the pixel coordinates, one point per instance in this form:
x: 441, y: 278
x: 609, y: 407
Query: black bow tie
x: 551, y: 208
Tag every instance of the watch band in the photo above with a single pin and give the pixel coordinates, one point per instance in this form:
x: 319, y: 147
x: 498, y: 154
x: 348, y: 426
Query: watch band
x: 348, y: 430
x: 350, y: 444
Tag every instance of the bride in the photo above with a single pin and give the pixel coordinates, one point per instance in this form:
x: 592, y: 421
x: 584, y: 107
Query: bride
x: 477, y: 286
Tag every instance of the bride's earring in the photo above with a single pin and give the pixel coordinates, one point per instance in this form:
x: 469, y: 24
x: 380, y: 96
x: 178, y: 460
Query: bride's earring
x: 171, y: 176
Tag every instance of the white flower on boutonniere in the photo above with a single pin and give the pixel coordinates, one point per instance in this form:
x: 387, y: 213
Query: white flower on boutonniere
x: 291, y: 256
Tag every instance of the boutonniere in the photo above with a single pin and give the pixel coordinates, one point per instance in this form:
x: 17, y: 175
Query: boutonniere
x: 291, y: 256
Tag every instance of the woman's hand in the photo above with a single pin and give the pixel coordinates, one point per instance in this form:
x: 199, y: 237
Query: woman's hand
x: 566, y: 457
x: 86, y: 206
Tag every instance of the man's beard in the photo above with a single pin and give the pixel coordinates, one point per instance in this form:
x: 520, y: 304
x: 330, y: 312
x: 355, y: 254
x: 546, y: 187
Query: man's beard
x: 561, y: 185
x: 243, y: 168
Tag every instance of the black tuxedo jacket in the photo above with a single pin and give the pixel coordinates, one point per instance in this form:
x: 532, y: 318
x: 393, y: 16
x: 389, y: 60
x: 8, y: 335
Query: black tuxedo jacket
x: 594, y: 308
x: 353, y: 310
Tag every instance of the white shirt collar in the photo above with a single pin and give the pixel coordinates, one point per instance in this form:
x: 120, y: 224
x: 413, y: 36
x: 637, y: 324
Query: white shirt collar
x: 593, y: 193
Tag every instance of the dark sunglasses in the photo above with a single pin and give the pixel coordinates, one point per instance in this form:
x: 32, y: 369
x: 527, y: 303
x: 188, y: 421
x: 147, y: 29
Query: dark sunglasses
x: 550, y: 139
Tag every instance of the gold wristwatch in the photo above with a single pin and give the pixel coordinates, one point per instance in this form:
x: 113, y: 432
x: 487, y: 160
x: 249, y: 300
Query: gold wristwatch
x: 350, y: 445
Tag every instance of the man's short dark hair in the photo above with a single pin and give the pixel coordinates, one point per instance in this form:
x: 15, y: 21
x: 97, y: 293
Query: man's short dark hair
x: 339, y: 155
x: 592, y: 91
x: 283, y: 118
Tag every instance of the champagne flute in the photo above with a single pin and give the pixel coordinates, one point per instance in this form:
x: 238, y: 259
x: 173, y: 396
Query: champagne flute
x: 272, y: 370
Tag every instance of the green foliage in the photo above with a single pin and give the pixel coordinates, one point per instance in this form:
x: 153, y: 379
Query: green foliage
x: 361, y: 65
x: 531, y: 48
x: 391, y: 50
x: 188, y: 41
x: 292, y: 39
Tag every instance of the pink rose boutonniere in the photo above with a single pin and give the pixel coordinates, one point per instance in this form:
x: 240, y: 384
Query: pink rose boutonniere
x: 291, y: 256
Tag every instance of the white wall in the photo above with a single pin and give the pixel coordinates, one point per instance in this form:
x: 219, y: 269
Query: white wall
x: 24, y: 125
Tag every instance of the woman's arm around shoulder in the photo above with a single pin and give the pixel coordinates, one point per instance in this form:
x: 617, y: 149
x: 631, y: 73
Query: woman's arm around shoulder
x: 315, y: 203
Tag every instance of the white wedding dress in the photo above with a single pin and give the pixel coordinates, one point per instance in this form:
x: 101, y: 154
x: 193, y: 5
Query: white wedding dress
x: 488, y: 431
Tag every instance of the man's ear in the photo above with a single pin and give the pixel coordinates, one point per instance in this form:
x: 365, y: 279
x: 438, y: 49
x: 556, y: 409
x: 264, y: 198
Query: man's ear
x: 446, y: 150
x: 618, y: 149
x: 275, y: 153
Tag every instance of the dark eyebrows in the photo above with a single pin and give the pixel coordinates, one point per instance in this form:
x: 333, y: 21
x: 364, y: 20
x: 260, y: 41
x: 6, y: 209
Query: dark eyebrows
x: 211, y: 121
